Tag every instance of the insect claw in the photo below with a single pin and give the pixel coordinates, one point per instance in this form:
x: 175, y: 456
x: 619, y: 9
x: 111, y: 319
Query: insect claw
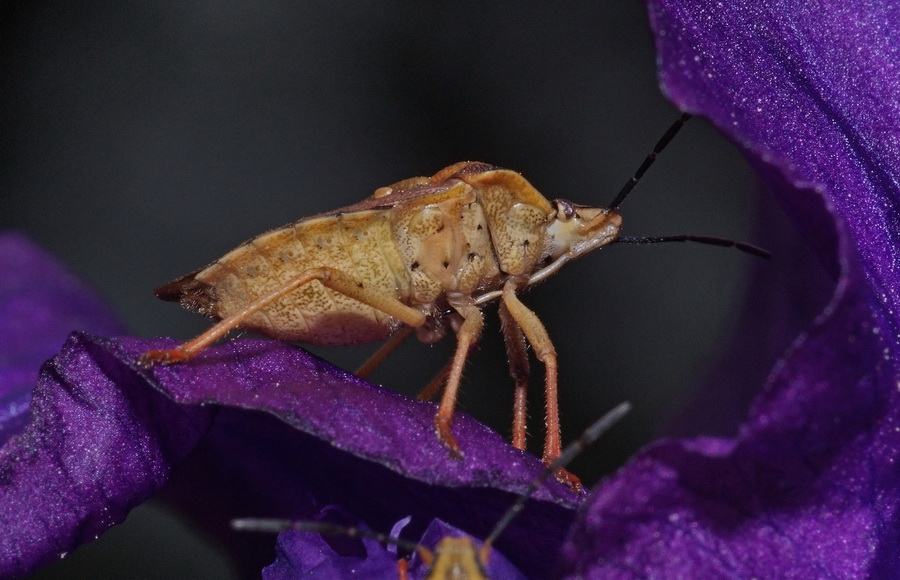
x: 568, y: 478
x: 442, y: 426
x: 164, y: 357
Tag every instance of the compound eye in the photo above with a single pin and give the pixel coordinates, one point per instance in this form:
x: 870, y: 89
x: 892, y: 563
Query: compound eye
x: 565, y: 209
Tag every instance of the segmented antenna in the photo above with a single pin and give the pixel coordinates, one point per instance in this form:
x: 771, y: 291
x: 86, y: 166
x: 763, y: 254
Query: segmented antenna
x: 709, y: 240
x: 648, y: 161
x: 590, y: 435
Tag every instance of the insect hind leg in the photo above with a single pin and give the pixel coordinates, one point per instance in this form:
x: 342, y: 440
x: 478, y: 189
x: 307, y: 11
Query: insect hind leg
x: 330, y: 277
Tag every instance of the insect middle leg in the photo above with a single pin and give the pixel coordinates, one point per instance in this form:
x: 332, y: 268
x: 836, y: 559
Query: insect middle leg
x: 436, y: 383
x: 329, y: 277
x: 384, y: 351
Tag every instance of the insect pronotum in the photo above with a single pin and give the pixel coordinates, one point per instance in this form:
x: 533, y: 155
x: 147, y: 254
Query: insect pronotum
x: 423, y: 254
x: 453, y: 557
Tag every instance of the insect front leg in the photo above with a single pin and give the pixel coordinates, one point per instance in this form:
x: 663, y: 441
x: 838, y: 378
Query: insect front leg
x: 329, y: 277
x: 519, y: 369
x: 466, y: 336
x: 545, y: 352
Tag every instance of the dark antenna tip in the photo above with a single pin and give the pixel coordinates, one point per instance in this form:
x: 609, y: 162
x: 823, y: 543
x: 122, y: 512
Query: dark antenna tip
x: 648, y: 161
x: 709, y: 240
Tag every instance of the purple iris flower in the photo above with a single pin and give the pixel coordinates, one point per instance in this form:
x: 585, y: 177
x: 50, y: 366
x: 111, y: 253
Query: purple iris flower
x: 808, y: 488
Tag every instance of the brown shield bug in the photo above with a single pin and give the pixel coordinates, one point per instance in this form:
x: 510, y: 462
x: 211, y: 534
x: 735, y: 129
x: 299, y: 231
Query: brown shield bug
x: 423, y: 254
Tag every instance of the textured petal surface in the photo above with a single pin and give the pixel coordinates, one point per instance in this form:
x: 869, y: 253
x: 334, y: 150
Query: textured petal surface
x: 40, y: 304
x: 808, y: 488
x: 83, y: 443
x: 99, y: 442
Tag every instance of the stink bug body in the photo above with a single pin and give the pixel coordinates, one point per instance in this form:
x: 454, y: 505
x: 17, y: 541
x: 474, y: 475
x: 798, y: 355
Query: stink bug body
x: 455, y: 556
x: 426, y: 254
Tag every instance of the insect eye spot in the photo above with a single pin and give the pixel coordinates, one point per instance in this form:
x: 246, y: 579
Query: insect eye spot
x: 414, y: 266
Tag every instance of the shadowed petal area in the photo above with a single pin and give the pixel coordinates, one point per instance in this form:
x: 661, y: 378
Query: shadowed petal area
x: 809, y: 487
x: 309, y: 555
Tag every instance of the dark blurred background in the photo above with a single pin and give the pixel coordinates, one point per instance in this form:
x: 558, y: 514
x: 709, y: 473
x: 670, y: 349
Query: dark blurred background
x: 142, y: 141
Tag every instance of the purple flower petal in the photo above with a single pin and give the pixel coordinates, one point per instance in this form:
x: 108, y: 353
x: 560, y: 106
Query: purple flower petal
x: 99, y: 443
x: 311, y: 555
x: 372, y: 451
x: 87, y: 449
x: 332, y: 404
x: 40, y: 304
x: 809, y: 488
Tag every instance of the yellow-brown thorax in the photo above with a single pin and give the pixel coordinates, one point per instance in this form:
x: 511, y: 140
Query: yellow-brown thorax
x: 435, y: 243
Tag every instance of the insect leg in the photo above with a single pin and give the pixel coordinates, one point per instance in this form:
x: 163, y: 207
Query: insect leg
x: 518, y: 369
x: 437, y: 382
x: 468, y: 334
x: 329, y: 277
x: 545, y: 352
x: 383, y: 352
x: 434, y: 385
